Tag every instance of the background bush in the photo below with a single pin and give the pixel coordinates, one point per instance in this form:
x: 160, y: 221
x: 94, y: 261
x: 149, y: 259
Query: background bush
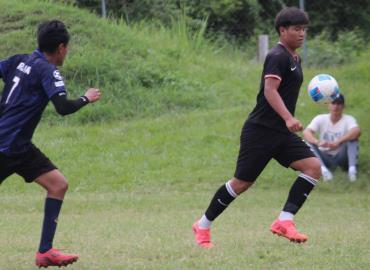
x: 241, y: 19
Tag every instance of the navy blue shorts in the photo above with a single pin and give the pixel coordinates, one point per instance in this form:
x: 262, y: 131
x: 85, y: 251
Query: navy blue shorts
x: 30, y: 165
x: 259, y: 144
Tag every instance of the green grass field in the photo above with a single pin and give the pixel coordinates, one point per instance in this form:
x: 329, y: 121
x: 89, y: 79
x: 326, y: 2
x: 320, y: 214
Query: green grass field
x: 136, y: 187
x: 151, y: 229
x: 144, y: 162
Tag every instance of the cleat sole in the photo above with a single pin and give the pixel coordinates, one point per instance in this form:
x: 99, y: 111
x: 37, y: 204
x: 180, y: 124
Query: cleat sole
x: 294, y: 240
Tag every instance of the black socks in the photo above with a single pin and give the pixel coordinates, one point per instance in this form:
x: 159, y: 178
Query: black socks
x: 223, y: 197
x: 299, y: 193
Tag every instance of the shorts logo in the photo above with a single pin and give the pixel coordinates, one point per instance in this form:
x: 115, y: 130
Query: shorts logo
x: 57, y: 75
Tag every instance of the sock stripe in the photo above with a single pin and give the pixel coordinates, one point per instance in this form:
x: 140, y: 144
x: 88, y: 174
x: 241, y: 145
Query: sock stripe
x: 308, y: 178
x: 230, y: 189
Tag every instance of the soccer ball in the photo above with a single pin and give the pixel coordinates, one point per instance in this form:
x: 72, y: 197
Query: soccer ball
x: 323, y: 88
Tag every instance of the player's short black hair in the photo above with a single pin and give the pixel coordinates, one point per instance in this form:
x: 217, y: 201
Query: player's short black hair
x: 339, y: 99
x: 290, y: 16
x: 51, y: 34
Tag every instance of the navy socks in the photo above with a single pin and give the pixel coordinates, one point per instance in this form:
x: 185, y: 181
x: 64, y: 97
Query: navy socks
x: 52, y: 209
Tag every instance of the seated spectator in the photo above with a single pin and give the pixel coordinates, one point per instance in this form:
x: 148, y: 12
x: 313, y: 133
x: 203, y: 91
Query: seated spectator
x: 334, y: 139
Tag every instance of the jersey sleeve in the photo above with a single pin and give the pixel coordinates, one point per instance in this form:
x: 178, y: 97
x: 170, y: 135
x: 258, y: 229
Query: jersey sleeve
x: 274, y: 67
x: 52, y: 81
x: 315, y: 124
x: 65, y: 106
x: 2, y: 67
x: 351, y: 122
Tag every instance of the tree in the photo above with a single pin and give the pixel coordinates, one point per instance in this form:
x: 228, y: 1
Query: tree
x: 241, y: 19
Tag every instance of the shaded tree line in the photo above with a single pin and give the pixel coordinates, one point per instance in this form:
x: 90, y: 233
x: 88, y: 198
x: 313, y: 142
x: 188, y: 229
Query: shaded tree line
x: 240, y: 19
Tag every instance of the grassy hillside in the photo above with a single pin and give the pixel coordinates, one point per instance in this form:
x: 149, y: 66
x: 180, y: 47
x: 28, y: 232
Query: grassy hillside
x: 146, y: 71
x: 141, y: 70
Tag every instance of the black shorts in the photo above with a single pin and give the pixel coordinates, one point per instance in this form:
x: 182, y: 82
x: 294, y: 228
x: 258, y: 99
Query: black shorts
x: 29, y: 165
x: 259, y: 144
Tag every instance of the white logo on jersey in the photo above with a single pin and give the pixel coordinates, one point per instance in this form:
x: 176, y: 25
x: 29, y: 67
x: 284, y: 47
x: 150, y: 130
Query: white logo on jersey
x: 24, y: 68
x: 57, y: 75
x: 59, y: 84
x: 292, y: 69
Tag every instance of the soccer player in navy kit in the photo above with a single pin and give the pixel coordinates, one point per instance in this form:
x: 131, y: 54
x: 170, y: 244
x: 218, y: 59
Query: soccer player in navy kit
x: 30, y: 81
x: 269, y: 132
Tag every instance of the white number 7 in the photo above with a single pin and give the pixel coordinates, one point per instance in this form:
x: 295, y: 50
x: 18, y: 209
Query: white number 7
x: 16, y: 82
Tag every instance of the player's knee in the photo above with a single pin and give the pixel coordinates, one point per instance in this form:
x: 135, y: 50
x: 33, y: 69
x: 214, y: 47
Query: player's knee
x: 314, y: 169
x: 64, y: 186
x: 60, y: 187
x: 239, y: 186
x: 317, y: 170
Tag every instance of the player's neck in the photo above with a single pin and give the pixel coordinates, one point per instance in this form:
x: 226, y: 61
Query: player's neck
x: 51, y: 59
x: 335, y: 117
x: 291, y: 50
x: 286, y: 45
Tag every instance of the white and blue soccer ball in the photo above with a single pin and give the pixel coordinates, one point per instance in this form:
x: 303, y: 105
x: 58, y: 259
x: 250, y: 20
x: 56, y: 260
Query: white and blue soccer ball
x: 323, y: 88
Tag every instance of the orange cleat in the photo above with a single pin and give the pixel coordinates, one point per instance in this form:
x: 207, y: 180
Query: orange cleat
x: 202, y: 236
x: 287, y: 229
x: 54, y: 257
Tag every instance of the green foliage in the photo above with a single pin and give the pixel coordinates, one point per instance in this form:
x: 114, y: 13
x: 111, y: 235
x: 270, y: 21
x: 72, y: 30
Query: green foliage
x: 146, y: 69
x: 240, y: 19
x: 142, y: 69
x: 234, y: 18
x: 134, y: 11
x: 322, y: 51
x: 337, y: 16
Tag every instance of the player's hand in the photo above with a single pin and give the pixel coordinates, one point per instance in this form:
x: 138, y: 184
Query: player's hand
x: 333, y: 145
x: 294, y: 125
x: 93, y: 94
x: 324, y: 144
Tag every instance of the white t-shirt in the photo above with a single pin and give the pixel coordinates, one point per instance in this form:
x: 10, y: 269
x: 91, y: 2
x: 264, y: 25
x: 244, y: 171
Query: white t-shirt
x: 327, y: 131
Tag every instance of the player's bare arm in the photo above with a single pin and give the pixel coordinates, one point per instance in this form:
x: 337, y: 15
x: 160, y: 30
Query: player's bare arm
x: 353, y: 134
x: 273, y: 98
x: 309, y: 136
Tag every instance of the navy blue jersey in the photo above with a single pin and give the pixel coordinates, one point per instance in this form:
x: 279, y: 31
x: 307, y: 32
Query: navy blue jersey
x: 282, y: 65
x: 29, y: 83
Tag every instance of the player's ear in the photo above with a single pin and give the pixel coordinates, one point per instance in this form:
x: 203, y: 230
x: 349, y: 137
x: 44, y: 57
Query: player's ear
x: 282, y: 30
x: 62, y: 47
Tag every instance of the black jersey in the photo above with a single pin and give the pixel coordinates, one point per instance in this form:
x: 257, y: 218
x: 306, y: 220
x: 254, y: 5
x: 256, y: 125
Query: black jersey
x: 279, y: 63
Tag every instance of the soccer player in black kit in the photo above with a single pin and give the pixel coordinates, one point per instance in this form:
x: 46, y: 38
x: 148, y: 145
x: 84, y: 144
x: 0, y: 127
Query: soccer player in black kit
x: 269, y: 132
x: 30, y: 81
